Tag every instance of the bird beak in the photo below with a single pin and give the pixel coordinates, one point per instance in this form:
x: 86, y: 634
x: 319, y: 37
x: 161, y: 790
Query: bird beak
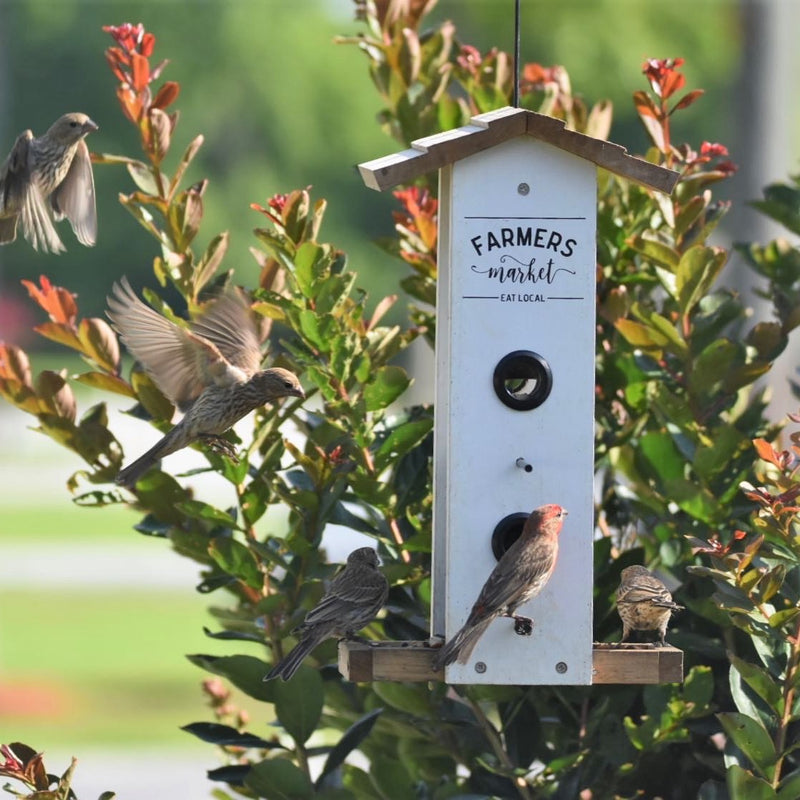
x: 90, y: 126
x: 299, y: 393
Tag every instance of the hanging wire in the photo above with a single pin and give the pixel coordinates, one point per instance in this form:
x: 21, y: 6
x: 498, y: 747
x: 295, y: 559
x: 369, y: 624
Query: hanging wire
x: 516, y: 53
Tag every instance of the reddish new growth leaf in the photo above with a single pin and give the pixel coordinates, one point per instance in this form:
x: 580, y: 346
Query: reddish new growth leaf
x: 132, y: 38
x: 664, y: 76
x: 56, y: 301
x: 420, y: 214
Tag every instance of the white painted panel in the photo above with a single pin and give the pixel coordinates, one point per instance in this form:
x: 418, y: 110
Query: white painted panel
x: 517, y: 272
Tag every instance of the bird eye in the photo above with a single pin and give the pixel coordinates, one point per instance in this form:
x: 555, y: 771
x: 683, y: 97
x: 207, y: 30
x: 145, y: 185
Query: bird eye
x: 288, y: 385
x: 73, y: 124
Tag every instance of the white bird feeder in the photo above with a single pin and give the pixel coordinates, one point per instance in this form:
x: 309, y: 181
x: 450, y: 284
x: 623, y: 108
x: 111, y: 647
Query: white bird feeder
x: 514, y: 418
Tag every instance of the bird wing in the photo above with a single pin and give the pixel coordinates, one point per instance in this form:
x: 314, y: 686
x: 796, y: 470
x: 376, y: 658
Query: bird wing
x: 530, y: 563
x: 228, y: 324
x: 74, y: 198
x: 20, y: 195
x: 181, y: 363
x: 350, y: 588
x: 646, y: 590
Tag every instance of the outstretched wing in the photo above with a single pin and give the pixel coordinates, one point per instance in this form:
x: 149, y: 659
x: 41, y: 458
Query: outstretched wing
x: 228, y: 324
x: 74, y: 198
x: 19, y: 195
x: 181, y: 363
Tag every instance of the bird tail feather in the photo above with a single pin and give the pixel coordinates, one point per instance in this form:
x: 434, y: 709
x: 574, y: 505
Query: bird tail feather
x: 134, y: 471
x: 460, y: 647
x: 288, y: 665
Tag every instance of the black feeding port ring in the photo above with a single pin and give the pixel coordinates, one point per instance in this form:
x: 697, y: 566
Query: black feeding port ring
x: 506, y: 532
x: 522, y: 380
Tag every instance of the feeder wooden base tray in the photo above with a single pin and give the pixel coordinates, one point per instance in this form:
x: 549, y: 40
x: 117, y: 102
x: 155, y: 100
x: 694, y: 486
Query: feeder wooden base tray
x: 411, y: 661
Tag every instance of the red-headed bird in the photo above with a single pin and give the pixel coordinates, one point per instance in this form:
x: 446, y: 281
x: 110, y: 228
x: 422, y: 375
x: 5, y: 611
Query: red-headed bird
x: 520, y: 574
x: 354, y: 598
x: 47, y: 178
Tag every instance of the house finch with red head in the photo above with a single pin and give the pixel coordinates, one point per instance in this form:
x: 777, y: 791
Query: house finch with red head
x: 643, y: 603
x: 354, y: 598
x: 518, y: 576
x: 49, y: 177
x: 210, y: 371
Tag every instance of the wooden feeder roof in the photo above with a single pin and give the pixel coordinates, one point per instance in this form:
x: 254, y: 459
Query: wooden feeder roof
x: 495, y: 127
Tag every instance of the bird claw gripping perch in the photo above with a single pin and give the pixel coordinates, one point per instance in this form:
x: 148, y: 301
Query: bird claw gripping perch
x: 523, y: 626
x: 221, y: 446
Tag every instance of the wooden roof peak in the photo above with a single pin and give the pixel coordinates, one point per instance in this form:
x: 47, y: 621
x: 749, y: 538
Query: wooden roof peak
x: 495, y: 127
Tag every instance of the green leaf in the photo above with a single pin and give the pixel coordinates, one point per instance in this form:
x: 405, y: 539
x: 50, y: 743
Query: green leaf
x: 197, y: 509
x: 236, y: 559
x: 143, y: 177
x: 279, y: 779
x: 245, y: 672
x: 743, y: 785
x: 760, y: 681
x: 694, y: 500
x: 386, y: 386
x: 350, y: 740
x: 407, y: 697
x: 698, y: 688
x: 226, y: 736
x: 391, y: 778
x: 656, y: 251
x: 698, y: 269
x: 752, y: 739
x: 789, y: 788
x: 298, y: 703
x: 109, y: 383
x: 402, y: 439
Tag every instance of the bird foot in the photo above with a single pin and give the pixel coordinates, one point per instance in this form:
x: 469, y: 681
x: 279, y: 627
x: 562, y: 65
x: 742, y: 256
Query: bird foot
x: 220, y: 445
x: 523, y: 626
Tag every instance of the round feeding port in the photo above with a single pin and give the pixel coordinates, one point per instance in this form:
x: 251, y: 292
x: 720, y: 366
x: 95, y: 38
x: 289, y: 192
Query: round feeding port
x: 522, y: 380
x: 506, y: 532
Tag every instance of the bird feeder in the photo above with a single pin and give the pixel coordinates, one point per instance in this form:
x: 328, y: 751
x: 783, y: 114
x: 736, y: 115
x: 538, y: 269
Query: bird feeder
x: 514, y: 415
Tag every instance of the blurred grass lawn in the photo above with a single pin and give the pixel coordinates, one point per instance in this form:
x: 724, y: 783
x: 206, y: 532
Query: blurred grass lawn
x: 98, y: 666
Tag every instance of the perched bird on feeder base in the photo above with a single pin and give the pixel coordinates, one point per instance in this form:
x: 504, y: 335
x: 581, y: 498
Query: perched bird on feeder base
x: 644, y: 603
x: 211, y: 371
x: 47, y: 178
x: 520, y: 574
x: 354, y: 598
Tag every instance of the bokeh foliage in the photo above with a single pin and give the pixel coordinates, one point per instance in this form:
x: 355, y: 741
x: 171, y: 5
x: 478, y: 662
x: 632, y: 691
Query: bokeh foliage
x: 691, y: 483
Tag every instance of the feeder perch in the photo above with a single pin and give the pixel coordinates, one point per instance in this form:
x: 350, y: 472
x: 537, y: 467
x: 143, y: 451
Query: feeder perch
x: 514, y: 417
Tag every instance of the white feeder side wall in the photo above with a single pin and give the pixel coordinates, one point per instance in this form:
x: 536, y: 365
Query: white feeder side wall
x: 478, y: 439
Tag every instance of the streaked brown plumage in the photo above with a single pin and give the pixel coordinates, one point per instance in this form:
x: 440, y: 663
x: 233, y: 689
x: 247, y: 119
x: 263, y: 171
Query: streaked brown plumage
x: 48, y: 178
x: 354, y: 598
x: 210, y: 371
x: 644, y: 603
x: 518, y: 576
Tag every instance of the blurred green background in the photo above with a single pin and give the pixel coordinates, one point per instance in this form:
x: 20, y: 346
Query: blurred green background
x: 85, y: 664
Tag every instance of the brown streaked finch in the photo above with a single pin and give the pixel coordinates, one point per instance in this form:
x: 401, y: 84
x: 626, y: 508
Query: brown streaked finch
x: 520, y: 574
x: 211, y: 371
x: 353, y: 599
x: 644, y: 603
x: 47, y: 178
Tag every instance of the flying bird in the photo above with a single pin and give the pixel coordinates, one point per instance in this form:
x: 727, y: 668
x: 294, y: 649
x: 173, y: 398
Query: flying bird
x: 354, y: 598
x: 644, y: 603
x: 47, y: 178
x: 211, y: 371
x: 520, y: 574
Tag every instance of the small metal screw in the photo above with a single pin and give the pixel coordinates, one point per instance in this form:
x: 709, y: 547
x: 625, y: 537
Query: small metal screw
x: 523, y: 188
x: 480, y: 667
x: 561, y: 667
x: 523, y: 464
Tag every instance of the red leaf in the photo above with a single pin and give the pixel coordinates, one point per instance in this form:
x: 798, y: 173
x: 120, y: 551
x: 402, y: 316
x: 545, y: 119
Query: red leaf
x: 645, y: 105
x: 147, y: 45
x: 766, y: 452
x: 141, y: 72
x: 688, y: 99
x: 57, y: 302
x: 673, y: 81
x: 166, y: 95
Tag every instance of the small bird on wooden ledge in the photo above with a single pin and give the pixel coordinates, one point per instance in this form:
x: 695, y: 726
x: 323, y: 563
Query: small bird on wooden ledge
x: 520, y: 574
x: 47, y: 178
x: 644, y: 603
x: 354, y: 598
